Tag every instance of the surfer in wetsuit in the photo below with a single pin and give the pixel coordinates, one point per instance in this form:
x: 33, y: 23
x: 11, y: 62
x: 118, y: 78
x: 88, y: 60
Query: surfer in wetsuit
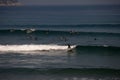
x: 69, y: 46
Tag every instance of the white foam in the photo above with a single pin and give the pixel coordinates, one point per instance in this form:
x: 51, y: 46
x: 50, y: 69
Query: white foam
x: 31, y: 47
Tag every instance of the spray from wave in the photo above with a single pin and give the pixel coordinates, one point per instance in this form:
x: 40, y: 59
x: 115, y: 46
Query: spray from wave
x: 31, y: 47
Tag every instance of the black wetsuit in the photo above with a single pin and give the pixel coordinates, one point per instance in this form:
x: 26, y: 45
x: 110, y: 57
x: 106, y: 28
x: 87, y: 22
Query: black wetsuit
x: 69, y: 46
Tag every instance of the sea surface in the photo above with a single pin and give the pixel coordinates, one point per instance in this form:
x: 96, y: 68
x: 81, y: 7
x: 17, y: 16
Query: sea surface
x: 34, y: 42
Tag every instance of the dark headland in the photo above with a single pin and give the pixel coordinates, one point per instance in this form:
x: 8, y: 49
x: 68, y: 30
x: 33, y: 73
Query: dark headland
x: 9, y: 3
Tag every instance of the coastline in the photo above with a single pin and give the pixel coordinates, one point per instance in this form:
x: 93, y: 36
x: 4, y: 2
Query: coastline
x: 13, y: 4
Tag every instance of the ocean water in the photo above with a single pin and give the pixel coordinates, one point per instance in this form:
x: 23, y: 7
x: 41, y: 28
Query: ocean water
x: 34, y: 42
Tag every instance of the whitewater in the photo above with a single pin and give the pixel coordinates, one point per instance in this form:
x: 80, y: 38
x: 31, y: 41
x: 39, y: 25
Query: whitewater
x: 18, y: 48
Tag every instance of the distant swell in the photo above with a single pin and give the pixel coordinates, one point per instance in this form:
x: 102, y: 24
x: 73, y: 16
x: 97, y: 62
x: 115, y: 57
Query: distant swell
x: 54, y: 32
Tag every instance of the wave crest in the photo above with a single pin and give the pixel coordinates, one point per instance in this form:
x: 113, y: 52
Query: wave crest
x: 8, y: 48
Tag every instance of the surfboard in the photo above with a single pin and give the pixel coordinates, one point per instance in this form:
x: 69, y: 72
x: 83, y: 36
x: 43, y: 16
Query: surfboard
x: 70, y: 49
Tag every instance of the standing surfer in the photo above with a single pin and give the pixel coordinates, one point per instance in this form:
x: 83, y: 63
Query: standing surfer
x: 69, y: 47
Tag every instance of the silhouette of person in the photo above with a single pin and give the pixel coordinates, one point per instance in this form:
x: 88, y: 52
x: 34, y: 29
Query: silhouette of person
x: 69, y: 46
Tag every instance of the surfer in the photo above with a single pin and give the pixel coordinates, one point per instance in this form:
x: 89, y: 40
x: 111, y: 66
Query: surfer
x: 95, y: 38
x: 69, y: 46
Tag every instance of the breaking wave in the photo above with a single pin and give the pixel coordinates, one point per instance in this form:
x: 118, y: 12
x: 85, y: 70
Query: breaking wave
x: 49, y: 47
x: 32, y: 47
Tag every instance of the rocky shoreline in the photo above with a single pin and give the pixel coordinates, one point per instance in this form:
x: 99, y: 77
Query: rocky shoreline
x: 9, y: 3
